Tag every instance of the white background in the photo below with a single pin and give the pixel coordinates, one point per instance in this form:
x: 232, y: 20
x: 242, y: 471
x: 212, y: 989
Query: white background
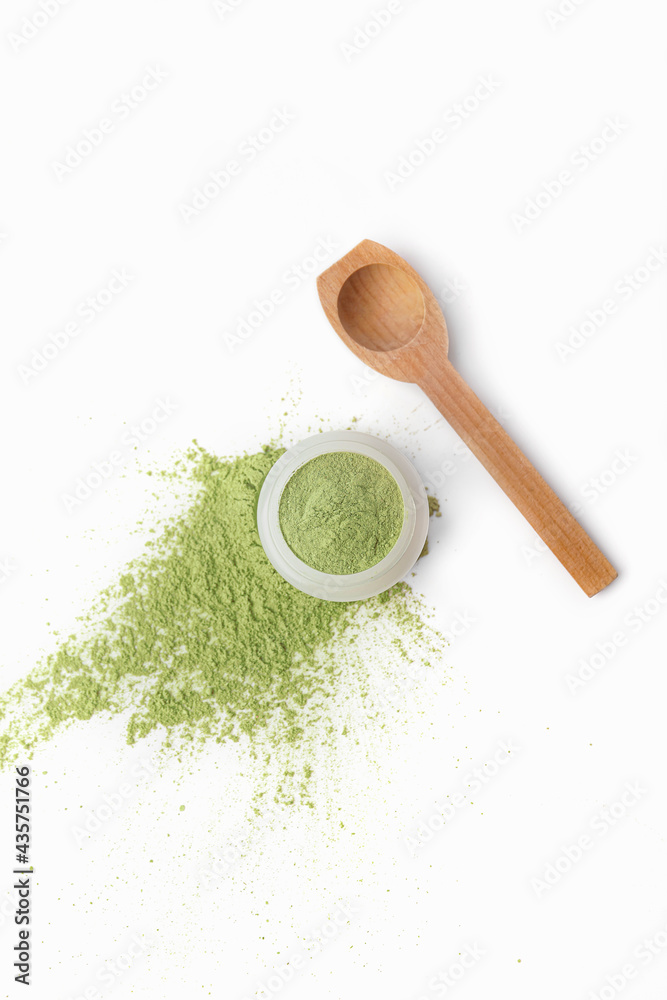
x: 512, y: 292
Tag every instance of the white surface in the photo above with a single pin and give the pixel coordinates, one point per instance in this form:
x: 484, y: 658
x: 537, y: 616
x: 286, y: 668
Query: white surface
x: 512, y: 293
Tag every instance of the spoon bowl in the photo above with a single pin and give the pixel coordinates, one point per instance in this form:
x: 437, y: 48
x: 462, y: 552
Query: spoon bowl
x: 383, y: 310
x: 381, y: 307
x: 388, y: 316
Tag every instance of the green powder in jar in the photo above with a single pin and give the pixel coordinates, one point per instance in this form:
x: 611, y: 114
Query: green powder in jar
x: 341, y: 512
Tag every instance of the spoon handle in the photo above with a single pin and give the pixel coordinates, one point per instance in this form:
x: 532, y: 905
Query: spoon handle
x: 522, y: 483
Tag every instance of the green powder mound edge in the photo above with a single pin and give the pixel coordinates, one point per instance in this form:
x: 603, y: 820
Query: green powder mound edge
x: 200, y: 638
x: 341, y: 513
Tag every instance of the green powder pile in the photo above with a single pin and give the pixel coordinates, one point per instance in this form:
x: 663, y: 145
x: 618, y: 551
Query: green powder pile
x: 341, y: 513
x: 201, y: 639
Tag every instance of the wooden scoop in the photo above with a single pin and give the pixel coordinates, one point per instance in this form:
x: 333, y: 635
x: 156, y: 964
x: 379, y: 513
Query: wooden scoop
x: 390, y: 319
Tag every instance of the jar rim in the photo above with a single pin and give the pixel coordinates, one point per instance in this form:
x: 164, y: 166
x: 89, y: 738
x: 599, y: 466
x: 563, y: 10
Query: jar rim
x: 354, y: 586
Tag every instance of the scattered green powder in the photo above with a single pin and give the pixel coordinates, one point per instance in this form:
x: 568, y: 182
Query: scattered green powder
x: 433, y: 510
x: 341, y: 513
x: 200, y: 638
x: 434, y: 506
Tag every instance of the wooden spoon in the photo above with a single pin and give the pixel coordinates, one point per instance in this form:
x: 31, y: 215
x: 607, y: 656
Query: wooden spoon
x: 388, y: 316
